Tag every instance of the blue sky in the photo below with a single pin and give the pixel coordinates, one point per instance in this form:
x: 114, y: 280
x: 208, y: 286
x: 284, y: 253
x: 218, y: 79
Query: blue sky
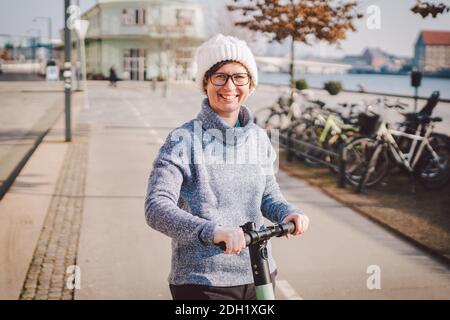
x: 398, y: 32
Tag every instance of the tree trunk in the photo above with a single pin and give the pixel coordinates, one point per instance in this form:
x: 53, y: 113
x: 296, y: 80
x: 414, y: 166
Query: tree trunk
x: 291, y: 67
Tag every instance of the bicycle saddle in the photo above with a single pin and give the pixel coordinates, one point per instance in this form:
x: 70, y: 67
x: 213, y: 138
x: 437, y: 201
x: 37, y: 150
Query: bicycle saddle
x: 424, y: 118
x: 431, y: 103
x: 319, y: 103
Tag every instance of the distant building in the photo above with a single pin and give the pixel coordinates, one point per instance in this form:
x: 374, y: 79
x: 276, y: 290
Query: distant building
x: 432, y: 51
x: 376, y: 58
x: 144, y: 39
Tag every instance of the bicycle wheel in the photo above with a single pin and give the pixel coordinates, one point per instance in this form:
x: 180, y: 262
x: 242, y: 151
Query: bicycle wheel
x: 358, y: 153
x: 260, y: 117
x: 293, y: 136
x: 274, y: 121
x: 434, y: 170
x: 334, y: 144
x: 311, y: 155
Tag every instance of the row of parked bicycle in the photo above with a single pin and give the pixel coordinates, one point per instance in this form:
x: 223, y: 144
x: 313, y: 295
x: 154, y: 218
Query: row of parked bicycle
x: 361, y: 143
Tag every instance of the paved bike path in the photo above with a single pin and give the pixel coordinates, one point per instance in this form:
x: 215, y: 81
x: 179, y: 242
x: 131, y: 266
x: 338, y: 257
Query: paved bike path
x: 122, y: 258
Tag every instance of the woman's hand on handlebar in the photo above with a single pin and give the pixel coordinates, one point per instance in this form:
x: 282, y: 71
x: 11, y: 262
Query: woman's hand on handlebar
x: 232, y: 237
x: 301, y: 222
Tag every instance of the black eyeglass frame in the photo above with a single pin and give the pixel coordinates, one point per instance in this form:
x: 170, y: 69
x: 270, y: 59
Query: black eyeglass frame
x: 228, y: 76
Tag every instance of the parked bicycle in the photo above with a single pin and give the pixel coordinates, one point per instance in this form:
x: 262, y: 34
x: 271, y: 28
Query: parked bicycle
x: 318, y: 134
x: 422, y: 153
x: 281, y: 113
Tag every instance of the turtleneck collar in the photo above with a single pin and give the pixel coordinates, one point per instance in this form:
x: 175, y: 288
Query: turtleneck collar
x: 211, y: 120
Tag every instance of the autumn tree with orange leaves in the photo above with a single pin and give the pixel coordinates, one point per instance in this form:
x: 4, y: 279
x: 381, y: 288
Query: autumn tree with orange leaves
x: 303, y: 21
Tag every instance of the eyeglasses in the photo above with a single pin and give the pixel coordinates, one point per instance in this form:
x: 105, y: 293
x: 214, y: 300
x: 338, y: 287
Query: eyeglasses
x: 239, y: 79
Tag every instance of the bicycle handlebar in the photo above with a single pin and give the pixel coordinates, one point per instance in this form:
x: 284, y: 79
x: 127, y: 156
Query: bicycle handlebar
x: 256, y: 236
x: 396, y: 105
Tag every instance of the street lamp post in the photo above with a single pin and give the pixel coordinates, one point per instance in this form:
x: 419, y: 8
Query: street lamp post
x: 81, y: 27
x: 67, y: 71
x: 78, y: 63
x: 49, y: 25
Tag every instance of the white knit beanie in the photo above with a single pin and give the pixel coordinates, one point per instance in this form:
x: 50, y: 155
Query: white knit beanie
x: 220, y: 48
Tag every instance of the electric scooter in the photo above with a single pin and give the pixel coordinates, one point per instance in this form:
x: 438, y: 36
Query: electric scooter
x: 256, y: 241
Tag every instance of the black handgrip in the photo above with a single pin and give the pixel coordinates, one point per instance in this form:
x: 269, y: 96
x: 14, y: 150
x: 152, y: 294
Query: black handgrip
x: 283, y: 229
x: 290, y: 226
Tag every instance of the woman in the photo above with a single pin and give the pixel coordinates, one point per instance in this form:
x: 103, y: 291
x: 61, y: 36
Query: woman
x: 199, y: 193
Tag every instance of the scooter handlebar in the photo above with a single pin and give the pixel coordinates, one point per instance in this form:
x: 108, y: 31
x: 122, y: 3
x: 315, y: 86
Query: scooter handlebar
x: 252, y: 237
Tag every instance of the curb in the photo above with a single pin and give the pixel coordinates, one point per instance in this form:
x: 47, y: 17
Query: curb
x: 16, y: 171
x: 430, y: 251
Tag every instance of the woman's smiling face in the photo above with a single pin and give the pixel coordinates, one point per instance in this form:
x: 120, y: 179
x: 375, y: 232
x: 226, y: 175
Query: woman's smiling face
x: 229, y: 97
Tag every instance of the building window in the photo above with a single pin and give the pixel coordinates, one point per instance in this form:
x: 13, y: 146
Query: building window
x: 185, y: 17
x: 132, y: 17
x: 127, y: 16
x: 135, y: 63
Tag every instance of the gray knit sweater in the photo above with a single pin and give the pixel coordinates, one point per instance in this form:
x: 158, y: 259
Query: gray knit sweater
x: 199, y: 182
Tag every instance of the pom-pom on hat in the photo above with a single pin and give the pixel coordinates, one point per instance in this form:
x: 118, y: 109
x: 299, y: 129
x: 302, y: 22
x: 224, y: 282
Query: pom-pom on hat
x: 220, y: 48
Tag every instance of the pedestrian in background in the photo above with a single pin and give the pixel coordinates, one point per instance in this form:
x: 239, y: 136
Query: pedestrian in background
x: 112, y: 76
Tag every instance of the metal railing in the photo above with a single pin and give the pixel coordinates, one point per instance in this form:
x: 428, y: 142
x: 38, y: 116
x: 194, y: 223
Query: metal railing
x: 297, y: 147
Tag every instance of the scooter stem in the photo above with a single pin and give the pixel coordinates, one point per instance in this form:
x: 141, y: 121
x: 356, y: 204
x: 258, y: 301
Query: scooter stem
x: 260, y: 266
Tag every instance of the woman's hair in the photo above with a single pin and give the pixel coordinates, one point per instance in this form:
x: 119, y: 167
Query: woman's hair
x: 219, y: 65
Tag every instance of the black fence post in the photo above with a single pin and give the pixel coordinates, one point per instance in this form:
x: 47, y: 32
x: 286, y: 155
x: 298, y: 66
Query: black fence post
x: 290, y: 146
x: 342, y: 165
x: 362, y: 181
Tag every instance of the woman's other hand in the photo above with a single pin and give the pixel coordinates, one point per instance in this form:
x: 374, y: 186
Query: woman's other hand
x: 301, y: 222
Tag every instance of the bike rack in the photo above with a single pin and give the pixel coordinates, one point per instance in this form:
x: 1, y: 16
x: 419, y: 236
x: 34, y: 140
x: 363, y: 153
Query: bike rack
x: 295, y: 145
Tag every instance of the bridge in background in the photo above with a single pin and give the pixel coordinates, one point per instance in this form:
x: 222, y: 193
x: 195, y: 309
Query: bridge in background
x: 281, y: 64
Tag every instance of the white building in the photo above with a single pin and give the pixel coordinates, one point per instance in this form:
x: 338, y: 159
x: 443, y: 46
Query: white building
x: 143, y: 39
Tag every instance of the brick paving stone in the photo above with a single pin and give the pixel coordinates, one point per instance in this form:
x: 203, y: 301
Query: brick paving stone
x: 31, y: 285
x: 40, y: 295
x: 28, y: 294
x: 58, y: 242
x: 67, y: 296
x: 32, y: 277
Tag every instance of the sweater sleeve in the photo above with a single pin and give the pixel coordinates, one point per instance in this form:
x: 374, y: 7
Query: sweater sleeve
x: 273, y: 205
x: 161, y: 204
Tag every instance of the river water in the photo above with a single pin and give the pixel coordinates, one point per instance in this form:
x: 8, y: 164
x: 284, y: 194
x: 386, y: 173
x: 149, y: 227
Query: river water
x: 378, y: 83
